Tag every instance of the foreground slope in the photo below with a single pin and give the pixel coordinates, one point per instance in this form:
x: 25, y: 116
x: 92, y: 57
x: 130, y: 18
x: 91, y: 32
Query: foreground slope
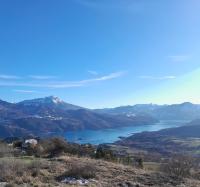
x: 106, y: 174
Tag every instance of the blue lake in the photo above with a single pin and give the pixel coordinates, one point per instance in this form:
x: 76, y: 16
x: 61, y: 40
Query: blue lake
x: 112, y: 135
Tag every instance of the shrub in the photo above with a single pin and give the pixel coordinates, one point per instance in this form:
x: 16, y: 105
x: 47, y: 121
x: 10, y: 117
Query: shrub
x: 54, y: 146
x: 34, y: 168
x: 105, y: 153
x: 179, y: 166
x: 85, y: 171
x: 140, y: 162
x: 17, y: 144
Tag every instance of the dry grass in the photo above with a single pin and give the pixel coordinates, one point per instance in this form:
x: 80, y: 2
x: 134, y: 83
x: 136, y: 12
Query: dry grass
x: 49, y: 172
x: 19, y: 171
x: 6, y: 150
x: 110, y: 174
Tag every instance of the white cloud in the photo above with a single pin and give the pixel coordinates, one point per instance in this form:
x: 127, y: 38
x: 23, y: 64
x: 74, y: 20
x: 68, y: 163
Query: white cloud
x: 87, y: 81
x: 157, y: 78
x: 61, y: 84
x: 179, y: 58
x: 41, y: 77
x: 104, y: 78
x: 25, y: 91
x: 9, y: 77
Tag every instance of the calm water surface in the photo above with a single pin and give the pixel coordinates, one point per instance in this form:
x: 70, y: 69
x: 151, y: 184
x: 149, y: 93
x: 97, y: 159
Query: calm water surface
x: 112, y: 135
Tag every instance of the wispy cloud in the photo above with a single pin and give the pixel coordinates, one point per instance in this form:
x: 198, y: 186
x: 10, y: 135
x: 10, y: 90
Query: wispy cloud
x: 111, y: 76
x: 26, y: 91
x: 41, y: 77
x: 9, y: 77
x: 82, y: 83
x: 60, y: 84
x: 179, y: 58
x: 104, y: 78
x: 41, y: 85
x: 157, y: 78
x: 93, y: 72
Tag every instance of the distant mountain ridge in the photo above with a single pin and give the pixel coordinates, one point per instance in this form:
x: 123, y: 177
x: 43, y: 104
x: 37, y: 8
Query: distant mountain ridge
x: 184, y: 111
x: 52, y: 115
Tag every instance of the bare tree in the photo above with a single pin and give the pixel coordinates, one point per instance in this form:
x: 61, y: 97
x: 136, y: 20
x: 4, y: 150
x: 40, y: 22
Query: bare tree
x: 179, y: 166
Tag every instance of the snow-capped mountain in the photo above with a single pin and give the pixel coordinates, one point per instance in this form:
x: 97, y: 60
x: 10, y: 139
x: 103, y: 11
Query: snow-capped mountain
x: 46, y: 100
x: 49, y: 101
x: 50, y: 114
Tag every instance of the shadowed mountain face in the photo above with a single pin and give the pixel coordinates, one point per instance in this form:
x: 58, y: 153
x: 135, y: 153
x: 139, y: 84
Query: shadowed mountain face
x: 52, y: 115
x: 179, y: 140
x: 184, y: 111
x: 191, y: 130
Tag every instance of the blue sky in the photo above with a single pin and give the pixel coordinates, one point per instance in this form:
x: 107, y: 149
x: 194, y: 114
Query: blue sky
x: 100, y: 53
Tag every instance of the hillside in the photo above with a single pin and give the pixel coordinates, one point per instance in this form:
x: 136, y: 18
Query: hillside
x: 106, y: 175
x: 52, y: 115
x: 62, y: 164
x: 167, y: 142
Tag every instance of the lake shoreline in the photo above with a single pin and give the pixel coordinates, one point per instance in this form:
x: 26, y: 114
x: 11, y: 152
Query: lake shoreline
x: 102, y: 136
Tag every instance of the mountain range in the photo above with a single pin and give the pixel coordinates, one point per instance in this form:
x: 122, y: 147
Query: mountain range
x: 184, y: 111
x: 52, y: 115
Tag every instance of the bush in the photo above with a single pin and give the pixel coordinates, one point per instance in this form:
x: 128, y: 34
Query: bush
x: 85, y: 171
x: 140, y: 162
x: 54, y: 146
x: 104, y: 153
x: 17, y: 144
x: 179, y: 166
x: 34, y: 168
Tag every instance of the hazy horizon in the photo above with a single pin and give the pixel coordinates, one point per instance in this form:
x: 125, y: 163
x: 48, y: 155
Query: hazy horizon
x: 122, y: 105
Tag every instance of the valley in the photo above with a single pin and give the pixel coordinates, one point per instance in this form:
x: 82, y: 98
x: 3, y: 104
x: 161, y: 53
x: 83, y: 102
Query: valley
x: 99, y: 93
x: 39, y: 117
x: 51, y: 115
x: 55, y: 143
